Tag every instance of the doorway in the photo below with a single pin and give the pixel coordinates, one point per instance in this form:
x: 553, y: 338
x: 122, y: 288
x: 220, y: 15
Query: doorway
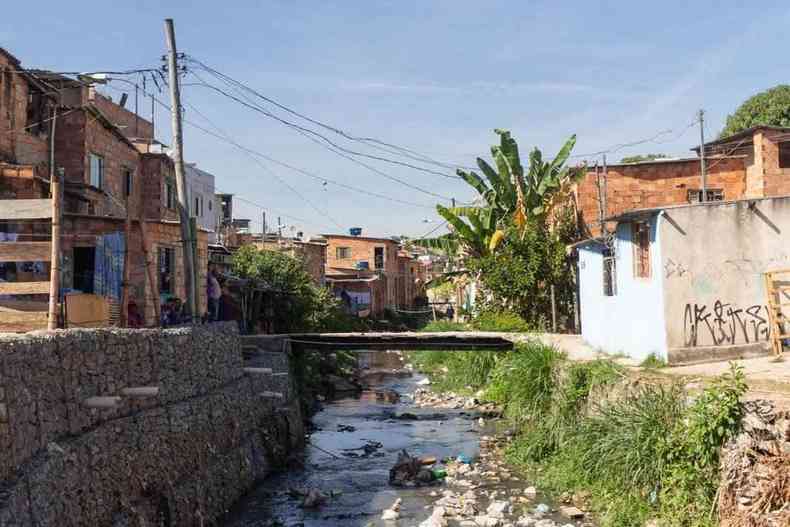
x: 84, y: 264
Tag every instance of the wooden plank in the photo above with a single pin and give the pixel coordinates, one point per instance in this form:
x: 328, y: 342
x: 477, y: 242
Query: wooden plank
x: 87, y: 311
x: 25, y: 251
x: 25, y: 209
x: 34, y: 318
x: 13, y: 305
x: 24, y: 288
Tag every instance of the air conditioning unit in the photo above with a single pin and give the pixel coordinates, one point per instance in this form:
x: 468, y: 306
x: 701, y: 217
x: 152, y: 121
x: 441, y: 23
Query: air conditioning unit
x: 363, y: 265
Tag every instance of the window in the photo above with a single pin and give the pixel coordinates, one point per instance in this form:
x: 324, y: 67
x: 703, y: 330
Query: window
x: 97, y: 171
x: 196, y: 210
x: 209, y: 205
x: 609, y: 273
x: 784, y: 154
x: 343, y: 253
x: 127, y: 181
x: 713, y: 194
x: 170, y: 200
x: 378, y: 257
x: 640, y: 237
x: 167, y: 257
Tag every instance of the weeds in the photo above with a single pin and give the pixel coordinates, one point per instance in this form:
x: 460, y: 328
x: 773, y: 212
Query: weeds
x: 652, y: 362
x: 642, y: 451
x: 505, y: 322
x: 444, y: 326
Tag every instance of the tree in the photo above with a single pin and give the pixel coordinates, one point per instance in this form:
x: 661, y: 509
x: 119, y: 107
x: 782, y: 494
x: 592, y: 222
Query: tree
x: 505, y: 193
x: 641, y: 158
x: 770, y: 107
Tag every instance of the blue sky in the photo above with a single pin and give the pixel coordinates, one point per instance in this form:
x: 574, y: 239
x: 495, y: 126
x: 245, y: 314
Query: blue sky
x: 433, y: 76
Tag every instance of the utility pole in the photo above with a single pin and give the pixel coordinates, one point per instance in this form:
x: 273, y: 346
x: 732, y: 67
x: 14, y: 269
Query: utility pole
x: 187, y: 236
x: 701, y: 115
x: 56, y: 188
x: 279, y: 229
x: 263, y: 228
x: 452, y: 202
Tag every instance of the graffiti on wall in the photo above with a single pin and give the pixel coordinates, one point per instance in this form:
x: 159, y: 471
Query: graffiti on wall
x: 722, y: 324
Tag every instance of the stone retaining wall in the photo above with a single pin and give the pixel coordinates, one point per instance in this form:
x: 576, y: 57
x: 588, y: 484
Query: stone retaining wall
x: 179, y: 458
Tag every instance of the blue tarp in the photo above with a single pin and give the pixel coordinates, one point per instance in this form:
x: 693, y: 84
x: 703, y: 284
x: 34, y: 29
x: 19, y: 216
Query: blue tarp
x: 108, y: 266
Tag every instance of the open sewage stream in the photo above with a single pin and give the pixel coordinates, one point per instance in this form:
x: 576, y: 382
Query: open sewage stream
x: 343, y: 477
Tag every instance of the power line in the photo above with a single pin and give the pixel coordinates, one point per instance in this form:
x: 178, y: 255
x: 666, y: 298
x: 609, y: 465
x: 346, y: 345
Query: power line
x: 652, y: 139
x: 312, y: 132
x: 369, y: 167
x: 302, y: 171
x: 373, y: 142
x: 166, y: 106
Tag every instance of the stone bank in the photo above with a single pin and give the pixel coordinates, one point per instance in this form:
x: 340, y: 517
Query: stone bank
x: 80, y: 448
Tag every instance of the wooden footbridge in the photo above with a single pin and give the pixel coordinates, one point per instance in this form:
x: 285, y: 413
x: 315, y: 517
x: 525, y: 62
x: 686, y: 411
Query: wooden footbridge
x: 459, y: 341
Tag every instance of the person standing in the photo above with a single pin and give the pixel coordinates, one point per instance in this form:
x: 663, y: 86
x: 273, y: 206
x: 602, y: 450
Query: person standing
x: 213, y: 293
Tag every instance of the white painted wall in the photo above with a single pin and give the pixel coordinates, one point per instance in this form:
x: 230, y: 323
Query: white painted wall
x: 200, y: 185
x: 632, y: 321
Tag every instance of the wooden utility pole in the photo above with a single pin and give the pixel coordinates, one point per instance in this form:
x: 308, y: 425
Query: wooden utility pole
x: 55, y: 186
x: 126, y: 264
x: 703, y: 176
x: 187, y: 236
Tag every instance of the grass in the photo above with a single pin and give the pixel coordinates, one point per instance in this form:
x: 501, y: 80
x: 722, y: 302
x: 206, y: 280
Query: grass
x: 444, y: 326
x: 641, y: 450
x: 504, y: 322
x: 652, y: 362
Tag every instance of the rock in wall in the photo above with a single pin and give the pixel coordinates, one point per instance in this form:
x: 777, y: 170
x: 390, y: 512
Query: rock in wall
x: 179, y: 458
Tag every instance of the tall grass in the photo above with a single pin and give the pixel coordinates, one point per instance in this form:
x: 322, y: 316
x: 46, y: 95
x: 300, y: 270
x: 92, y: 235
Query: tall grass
x: 641, y: 450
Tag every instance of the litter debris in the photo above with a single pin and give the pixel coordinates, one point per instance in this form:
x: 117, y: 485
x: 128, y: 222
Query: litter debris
x: 406, y: 416
x: 542, y: 508
x: 424, y: 382
x: 368, y: 449
x: 346, y: 428
x: 463, y: 458
x: 393, y: 513
x: 428, y: 460
x: 572, y: 512
x: 409, y: 471
x: 314, y: 498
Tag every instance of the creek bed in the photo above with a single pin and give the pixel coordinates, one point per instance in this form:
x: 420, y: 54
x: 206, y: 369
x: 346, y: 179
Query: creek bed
x: 356, y: 480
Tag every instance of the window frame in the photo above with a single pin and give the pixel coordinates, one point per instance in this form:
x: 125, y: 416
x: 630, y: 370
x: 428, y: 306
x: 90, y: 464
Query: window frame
x: 640, y: 240
x: 101, y: 168
x: 166, y: 257
x: 609, y: 275
x: 340, y: 251
x: 128, y: 181
x: 169, y: 201
x: 694, y: 195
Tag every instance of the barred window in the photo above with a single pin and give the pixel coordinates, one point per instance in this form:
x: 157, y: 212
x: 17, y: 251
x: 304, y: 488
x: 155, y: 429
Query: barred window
x: 609, y: 273
x: 640, y: 237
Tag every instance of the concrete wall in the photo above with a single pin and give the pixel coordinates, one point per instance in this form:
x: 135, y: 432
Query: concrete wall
x: 183, y: 457
x: 200, y: 185
x: 713, y: 260
x: 631, y: 321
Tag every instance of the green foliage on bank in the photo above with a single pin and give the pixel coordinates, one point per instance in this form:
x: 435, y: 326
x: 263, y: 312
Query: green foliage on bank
x: 641, y: 450
x: 300, y: 304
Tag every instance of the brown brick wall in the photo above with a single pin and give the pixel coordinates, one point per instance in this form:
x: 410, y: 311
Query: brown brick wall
x: 18, y: 143
x: 361, y: 249
x: 649, y: 185
x: 124, y: 118
x: 156, y: 170
x: 17, y: 182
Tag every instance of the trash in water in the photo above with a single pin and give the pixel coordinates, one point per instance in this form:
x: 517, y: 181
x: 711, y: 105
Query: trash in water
x: 393, y: 513
x: 409, y: 470
x: 428, y: 460
x: 369, y: 448
x: 463, y: 458
x: 313, y: 499
x: 406, y: 416
x: 346, y: 428
x: 424, y: 382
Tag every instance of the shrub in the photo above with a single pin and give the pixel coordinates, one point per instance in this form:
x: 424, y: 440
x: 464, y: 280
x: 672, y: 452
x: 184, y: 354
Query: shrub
x: 652, y: 362
x: 503, y: 321
x: 444, y: 325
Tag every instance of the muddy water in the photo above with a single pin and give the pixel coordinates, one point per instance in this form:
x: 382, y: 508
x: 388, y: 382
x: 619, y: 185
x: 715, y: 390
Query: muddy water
x: 358, y: 480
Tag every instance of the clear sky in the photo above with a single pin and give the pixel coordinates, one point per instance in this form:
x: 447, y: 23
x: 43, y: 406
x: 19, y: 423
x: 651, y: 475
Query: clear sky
x: 433, y: 76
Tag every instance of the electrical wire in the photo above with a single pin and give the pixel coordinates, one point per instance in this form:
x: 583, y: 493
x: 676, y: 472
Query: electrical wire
x: 317, y: 135
x: 305, y: 172
x: 168, y: 107
x: 652, y: 139
x: 375, y: 143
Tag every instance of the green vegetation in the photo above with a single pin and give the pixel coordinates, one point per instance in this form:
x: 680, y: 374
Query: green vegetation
x: 640, y: 450
x: 444, y: 325
x: 641, y: 158
x: 513, y: 242
x: 770, y: 107
x: 503, y: 321
x: 300, y: 305
x: 652, y: 362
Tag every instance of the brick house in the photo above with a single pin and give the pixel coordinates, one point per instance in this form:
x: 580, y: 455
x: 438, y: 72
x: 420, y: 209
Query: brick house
x: 311, y: 253
x: 106, y: 155
x: 372, y: 270
x: 754, y: 163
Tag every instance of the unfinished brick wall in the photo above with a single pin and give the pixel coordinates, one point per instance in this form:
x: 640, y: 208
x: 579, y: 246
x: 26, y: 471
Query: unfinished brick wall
x: 156, y: 170
x: 647, y: 185
x: 186, y: 454
x: 123, y: 117
x: 775, y: 179
x: 18, y: 182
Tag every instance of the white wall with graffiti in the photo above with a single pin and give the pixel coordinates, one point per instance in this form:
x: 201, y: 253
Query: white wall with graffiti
x: 630, y: 321
x: 714, y: 257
